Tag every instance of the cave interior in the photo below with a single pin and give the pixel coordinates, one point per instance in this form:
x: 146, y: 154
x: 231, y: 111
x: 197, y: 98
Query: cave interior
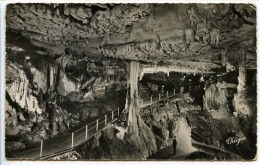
x: 69, y: 64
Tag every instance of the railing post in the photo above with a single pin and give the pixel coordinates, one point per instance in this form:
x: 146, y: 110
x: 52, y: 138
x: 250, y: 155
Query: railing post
x: 86, y: 131
x: 105, y: 119
x: 167, y: 94
x: 72, y: 138
x: 151, y: 99
x: 97, y: 125
x: 112, y: 115
x: 118, y: 111
x: 159, y: 96
x: 173, y: 91
x: 41, y: 148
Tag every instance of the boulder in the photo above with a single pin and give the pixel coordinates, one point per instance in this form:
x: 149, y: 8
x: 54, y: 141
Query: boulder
x: 121, y: 132
x: 184, y: 106
x: 12, y: 146
x: 12, y: 132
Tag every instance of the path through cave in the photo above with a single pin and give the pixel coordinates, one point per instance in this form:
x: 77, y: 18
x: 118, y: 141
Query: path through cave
x: 154, y: 72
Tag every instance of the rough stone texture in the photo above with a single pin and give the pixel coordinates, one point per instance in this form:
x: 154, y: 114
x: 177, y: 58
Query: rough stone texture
x: 240, y: 101
x: 166, y: 121
x: 73, y: 155
x: 217, y: 94
x: 144, y: 32
x: 185, y: 106
x: 79, y: 20
x: 206, y: 128
x: 42, y: 102
x: 110, y: 147
x: 66, y: 85
x: 66, y: 64
x: 26, y: 110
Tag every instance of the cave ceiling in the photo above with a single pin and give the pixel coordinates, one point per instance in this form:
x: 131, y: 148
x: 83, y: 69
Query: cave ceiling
x: 149, y: 33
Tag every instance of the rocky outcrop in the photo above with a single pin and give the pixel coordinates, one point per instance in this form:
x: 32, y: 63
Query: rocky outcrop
x: 217, y: 94
x: 18, y: 90
x: 109, y: 146
x: 80, y: 20
x: 27, y: 116
x: 240, y: 102
x: 66, y: 85
x: 45, y: 102
x: 143, y: 32
x: 167, y: 121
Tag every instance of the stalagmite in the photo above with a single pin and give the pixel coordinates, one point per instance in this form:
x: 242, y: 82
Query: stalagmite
x: 242, y: 73
x: 240, y: 98
x: 51, y: 76
x: 214, y: 37
x: 223, y: 57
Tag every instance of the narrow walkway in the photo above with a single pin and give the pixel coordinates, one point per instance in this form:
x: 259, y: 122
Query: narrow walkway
x: 167, y: 154
x: 67, y: 142
x: 200, y: 146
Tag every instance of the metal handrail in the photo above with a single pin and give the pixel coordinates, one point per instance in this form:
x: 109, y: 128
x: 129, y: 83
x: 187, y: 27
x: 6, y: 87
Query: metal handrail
x: 154, y: 99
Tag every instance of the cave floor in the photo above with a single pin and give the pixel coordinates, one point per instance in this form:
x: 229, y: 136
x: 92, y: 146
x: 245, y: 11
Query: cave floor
x: 167, y: 153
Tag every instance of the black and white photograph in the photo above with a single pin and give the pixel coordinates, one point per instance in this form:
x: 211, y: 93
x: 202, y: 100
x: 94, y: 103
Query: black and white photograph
x: 130, y: 82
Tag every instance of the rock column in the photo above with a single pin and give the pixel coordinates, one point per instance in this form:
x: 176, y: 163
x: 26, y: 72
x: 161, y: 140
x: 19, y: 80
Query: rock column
x: 223, y: 57
x: 242, y: 72
x: 132, y: 100
x: 240, y: 102
x: 138, y: 133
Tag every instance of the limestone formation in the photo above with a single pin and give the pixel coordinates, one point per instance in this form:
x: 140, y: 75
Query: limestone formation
x: 120, y: 81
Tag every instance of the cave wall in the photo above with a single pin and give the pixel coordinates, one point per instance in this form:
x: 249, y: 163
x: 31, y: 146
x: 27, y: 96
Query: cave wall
x: 50, y: 99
